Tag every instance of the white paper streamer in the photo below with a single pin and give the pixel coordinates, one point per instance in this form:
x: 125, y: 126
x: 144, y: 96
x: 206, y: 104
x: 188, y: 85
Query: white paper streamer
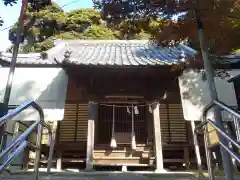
x: 150, y: 109
x: 128, y: 110
x: 165, y: 95
x: 136, y: 110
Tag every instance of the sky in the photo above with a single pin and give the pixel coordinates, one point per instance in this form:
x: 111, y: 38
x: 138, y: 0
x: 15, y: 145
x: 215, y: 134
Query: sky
x: 11, y: 14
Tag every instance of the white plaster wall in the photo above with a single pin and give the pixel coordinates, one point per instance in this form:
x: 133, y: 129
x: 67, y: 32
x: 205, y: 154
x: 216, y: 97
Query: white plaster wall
x: 195, y: 94
x: 47, y: 86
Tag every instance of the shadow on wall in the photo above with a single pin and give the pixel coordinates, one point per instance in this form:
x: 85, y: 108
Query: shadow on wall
x: 54, y: 96
x: 195, y: 94
x: 194, y: 88
x: 24, y: 91
x: 51, y: 97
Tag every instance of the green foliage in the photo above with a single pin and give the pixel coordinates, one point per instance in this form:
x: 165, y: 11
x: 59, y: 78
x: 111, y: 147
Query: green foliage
x: 54, y: 8
x: 98, y: 32
x: 52, y: 22
x: 237, y: 51
x: 34, y: 5
x: 85, y: 15
x: 45, y: 45
x: 137, y: 28
x: 221, y: 20
x: 68, y: 35
x: 37, y: 47
x: 142, y: 35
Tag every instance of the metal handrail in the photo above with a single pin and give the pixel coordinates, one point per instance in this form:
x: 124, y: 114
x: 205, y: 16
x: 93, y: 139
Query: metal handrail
x: 206, y: 121
x: 225, y: 136
x: 20, y: 142
x: 21, y: 108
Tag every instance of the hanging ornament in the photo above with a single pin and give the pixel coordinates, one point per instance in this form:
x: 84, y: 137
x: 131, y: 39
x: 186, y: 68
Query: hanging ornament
x: 134, y: 146
x: 150, y: 109
x: 165, y: 95
x: 133, y: 132
x: 128, y: 110
x: 113, y: 142
x: 136, y: 110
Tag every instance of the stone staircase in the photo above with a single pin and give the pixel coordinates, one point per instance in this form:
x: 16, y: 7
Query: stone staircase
x: 142, y: 156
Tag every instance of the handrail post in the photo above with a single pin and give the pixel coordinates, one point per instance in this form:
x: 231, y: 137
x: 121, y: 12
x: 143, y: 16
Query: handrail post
x: 208, y: 156
x: 3, y: 111
x: 52, y: 144
x: 224, y: 137
x: 22, y: 138
x: 226, y: 158
x: 237, y: 128
x: 38, y: 152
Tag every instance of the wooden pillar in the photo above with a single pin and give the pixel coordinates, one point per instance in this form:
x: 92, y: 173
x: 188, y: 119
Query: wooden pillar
x: 149, y: 124
x: 52, y: 144
x: 59, y: 160
x: 157, y: 137
x: 186, y: 157
x: 25, y: 154
x: 90, y: 137
x: 25, y: 159
x: 196, y: 146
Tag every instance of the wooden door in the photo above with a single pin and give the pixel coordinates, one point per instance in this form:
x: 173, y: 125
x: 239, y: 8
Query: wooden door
x: 123, y: 122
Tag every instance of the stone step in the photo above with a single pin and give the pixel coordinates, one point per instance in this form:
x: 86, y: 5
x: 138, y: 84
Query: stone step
x: 119, y: 161
x: 122, y: 153
x: 122, y: 148
x: 97, y: 175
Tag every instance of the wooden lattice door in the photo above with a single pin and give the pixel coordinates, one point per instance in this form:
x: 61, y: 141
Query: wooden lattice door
x: 123, y: 122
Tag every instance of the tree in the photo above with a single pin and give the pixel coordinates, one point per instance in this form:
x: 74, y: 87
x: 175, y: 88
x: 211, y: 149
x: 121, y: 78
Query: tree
x: 35, y: 4
x: 221, y: 20
x: 51, y: 22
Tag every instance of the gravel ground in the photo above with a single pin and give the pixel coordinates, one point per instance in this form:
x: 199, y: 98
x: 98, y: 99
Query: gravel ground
x: 106, y: 176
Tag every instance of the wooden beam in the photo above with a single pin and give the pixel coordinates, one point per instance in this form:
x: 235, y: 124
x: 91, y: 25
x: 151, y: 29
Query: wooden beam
x: 124, y: 97
x: 90, y: 137
x: 157, y: 137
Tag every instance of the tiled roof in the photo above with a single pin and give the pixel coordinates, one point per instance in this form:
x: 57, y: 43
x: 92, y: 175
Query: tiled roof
x: 107, y: 53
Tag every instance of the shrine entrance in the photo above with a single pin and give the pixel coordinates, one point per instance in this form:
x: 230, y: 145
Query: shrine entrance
x: 116, y: 119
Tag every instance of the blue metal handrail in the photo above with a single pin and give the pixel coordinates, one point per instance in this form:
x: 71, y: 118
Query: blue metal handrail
x: 20, y: 142
x: 225, y: 136
x: 206, y: 121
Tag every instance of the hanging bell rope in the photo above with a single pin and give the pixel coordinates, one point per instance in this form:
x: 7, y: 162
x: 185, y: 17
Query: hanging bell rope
x: 113, y: 143
x: 134, y: 146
